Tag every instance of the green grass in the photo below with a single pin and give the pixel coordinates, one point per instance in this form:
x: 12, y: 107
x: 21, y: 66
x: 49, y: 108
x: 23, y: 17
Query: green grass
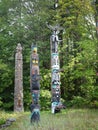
x: 73, y: 119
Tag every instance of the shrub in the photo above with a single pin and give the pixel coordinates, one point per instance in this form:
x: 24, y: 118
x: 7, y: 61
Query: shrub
x: 2, y: 121
x: 45, y: 99
x: 94, y: 104
x: 79, y: 102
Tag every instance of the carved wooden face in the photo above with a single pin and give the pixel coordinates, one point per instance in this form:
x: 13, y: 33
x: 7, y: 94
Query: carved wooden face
x: 34, y: 49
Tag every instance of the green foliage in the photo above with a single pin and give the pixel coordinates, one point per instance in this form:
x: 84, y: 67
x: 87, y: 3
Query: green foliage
x: 79, y: 75
x: 26, y: 24
x: 78, y: 52
x: 27, y: 99
x: 45, y: 99
x: 2, y: 121
x: 6, y: 115
x: 45, y: 79
x: 79, y: 102
x: 94, y: 104
x: 0, y: 102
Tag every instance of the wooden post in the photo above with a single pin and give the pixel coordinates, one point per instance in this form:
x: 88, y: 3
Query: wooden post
x: 18, y: 90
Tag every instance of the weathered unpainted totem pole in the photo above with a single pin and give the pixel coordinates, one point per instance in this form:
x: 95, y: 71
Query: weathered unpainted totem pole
x: 18, y: 90
x: 34, y: 84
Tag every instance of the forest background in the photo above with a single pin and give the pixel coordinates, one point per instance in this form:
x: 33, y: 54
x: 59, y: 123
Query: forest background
x: 24, y: 21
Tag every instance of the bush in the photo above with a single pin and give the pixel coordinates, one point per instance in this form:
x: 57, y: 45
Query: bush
x: 45, y: 99
x: 5, y: 115
x: 94, y: 104
x: 2, y: 121
x: 79, y: 102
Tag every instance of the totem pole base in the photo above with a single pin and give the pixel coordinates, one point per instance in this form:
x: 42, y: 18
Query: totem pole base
x: 35, y: 113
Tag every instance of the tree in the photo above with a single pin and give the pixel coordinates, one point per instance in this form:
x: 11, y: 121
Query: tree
x: 77, y: 19
x: 22, y: 22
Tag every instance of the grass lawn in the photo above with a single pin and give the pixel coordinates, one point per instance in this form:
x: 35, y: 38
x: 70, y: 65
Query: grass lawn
x: 69, y: 119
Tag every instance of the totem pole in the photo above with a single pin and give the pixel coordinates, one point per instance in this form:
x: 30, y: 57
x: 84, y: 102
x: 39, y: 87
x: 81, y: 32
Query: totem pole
x: 56, y: 104
x: 34, y: 84
x: 18, y: 90
x: 55, y: 69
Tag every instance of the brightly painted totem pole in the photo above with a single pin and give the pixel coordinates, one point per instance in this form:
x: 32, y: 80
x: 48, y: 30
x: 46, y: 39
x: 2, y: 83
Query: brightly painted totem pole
x: 56, y: 104
x: 34, y: 84
x: 18, y: 90
x: 55, y: 71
